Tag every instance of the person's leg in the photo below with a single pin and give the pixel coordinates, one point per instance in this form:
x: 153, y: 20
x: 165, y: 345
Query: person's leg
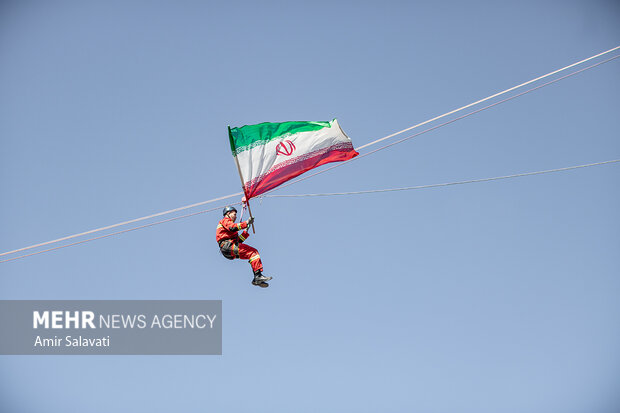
x: 251, y: 254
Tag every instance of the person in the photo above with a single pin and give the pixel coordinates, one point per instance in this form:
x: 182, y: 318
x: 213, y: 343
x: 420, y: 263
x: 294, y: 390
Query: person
x: 232, y: 244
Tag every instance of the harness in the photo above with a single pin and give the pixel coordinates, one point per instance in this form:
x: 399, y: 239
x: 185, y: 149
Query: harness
x: 229, y: 249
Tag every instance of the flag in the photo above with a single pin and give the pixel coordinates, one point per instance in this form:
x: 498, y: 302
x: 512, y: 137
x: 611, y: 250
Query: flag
x: 269, y: 154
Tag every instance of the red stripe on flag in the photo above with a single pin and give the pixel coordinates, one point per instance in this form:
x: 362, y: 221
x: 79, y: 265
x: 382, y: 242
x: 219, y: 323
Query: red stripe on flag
x: 289, y: 170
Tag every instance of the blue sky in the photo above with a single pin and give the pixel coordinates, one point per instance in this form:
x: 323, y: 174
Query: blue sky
x: 489, y: 297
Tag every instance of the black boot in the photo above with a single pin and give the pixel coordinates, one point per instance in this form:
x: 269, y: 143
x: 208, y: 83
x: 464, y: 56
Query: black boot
x: 260, y: 280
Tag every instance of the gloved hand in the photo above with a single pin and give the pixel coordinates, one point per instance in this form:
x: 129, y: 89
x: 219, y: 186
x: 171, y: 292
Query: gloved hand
x: 250, y: 221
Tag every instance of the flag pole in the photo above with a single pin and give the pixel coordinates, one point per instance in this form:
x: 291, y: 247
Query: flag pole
x: 234, y: 151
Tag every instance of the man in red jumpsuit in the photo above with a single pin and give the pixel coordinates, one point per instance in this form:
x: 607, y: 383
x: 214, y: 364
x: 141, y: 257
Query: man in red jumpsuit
x: 232, y: 246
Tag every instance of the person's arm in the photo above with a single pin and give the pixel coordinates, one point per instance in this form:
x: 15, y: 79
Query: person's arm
x: 231, y: 226
x: 243, y: 236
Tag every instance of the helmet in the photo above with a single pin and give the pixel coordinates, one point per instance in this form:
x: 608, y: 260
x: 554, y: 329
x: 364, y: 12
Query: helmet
x: 228, y: 209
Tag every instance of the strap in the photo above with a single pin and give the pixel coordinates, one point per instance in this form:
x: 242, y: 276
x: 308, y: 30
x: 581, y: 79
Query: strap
x: 242, y: 211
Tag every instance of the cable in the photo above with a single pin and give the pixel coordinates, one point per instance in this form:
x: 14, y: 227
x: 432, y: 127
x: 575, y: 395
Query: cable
x: 487, y: 98
x: 336, y: 165
x: 120, y: 224
x: 361, y: 147
x: 115, y: 233
x: 409, y: 188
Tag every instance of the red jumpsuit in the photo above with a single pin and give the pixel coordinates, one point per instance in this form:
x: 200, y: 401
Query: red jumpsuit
x: 232, y: 246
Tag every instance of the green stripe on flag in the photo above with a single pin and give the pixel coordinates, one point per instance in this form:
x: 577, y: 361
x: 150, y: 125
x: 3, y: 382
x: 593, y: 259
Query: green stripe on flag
x: 249, y: 136
x: 232, y: 142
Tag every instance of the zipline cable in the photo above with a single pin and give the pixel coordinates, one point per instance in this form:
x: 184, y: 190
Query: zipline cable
x: 361, y: 147
x: 471, y: 181
x: 336, y: 165
x: 488, y: 98
x: 115, y: 233
x: 92, y: 231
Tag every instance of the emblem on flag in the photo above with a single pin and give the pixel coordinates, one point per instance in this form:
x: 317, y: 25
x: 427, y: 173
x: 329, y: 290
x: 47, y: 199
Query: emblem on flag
x: 285, y: 148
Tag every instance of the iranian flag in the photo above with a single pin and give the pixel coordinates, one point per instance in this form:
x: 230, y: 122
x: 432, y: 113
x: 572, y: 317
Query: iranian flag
x: 269, y: 154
